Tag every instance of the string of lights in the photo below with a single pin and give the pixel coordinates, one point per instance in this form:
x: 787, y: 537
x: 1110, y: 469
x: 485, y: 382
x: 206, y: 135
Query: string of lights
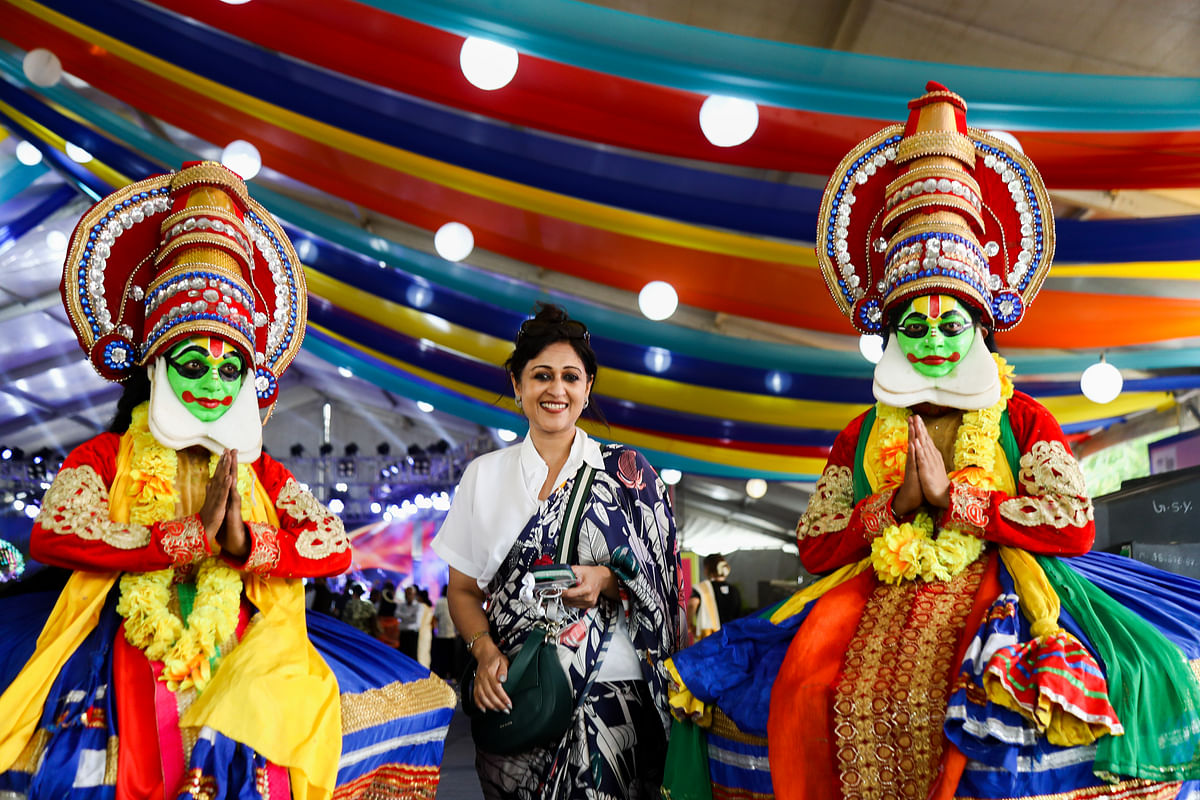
x: 358, y: 487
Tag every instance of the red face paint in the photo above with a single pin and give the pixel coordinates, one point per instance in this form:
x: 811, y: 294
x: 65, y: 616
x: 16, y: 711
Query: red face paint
x: 206, y: 402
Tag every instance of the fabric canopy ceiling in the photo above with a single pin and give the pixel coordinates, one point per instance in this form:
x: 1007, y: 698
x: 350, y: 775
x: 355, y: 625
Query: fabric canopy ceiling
x: 366, y: 102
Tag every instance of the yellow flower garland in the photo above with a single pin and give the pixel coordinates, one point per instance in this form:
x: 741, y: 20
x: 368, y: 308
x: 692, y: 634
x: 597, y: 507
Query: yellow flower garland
x: 190, y: 650
x: 909, y: 551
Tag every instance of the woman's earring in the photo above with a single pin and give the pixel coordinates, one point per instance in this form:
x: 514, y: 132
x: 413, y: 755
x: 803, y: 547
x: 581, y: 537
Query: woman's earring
x: 518, y: 401
x: 586, y: 401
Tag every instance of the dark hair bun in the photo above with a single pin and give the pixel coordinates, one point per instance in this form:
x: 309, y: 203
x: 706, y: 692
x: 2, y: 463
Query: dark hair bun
x: 550, y: 314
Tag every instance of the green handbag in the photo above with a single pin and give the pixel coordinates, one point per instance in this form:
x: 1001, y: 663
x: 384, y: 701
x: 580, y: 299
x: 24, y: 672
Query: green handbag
x: 542, y: 700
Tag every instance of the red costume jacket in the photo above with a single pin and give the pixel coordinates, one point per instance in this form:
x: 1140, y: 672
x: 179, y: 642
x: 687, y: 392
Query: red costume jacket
x: 76, y: 531
x: 1051, y: 513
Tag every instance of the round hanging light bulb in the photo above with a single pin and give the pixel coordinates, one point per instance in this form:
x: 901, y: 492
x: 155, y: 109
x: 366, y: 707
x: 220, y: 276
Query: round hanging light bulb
x: 728, y: 121
x: 1101, y: 382
x: 657, y: 359
x: 486, y: 64
x: 77, y: 153
x: 756, y: 488
x: 454, y: 241
x: 42, y: 67
x: 56, y: 241
x: 871, y: 347
x: 658, y: 300
x: 1007, y: 138
x: 778, y: 382
x: 506, y: 435
x: 27, y: 154
x: 670, y: 476
x: 418, y: 296
x: 243, y: 158
x: 336, y: 505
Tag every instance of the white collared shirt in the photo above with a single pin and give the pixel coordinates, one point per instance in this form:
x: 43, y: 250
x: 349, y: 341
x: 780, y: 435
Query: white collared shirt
x: 497, y: 495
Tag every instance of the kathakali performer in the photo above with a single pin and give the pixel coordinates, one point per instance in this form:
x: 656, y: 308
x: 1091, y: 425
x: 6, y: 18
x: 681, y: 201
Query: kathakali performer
x: 963, y: 642
x: 177, y: 661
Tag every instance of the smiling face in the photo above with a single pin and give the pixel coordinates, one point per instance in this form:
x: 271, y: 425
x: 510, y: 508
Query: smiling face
x: 553, y: 388
x: 206, y: 374
x: 935, y: 332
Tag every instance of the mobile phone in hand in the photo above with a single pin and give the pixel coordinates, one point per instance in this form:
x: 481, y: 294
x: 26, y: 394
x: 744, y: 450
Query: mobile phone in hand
x: 548, y: 576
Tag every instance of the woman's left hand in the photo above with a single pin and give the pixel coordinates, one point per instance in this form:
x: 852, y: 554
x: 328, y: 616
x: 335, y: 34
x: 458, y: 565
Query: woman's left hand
x: 593, y: 582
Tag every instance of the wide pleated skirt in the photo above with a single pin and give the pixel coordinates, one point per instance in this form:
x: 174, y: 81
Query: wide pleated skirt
x: 840, y: 719
x: 395, y: 716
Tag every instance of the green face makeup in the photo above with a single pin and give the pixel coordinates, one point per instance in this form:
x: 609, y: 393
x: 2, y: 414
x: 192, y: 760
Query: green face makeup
x: 935, y: 333
x: 205, y: 373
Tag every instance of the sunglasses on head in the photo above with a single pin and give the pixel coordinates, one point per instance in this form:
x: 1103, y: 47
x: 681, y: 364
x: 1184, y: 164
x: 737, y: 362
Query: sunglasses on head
x: 570, y: 329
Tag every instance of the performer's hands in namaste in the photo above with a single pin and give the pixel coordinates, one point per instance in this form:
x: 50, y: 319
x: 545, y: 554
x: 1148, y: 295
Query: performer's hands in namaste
x: 233, y: 537
x: 221, y: 513
x: 216, y: 499
x: 925, y: 478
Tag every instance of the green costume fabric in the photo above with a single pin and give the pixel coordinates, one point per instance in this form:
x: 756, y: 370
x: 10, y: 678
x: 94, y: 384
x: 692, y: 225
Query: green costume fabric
x: 1150, y: 684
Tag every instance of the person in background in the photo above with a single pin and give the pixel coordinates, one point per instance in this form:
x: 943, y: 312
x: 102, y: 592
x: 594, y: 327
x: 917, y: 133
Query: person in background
x: 387, y: 600
x: 322, y: 597
x: 358, y: 611
x: 506, y: 518
x: 714, y: 600
x: 448, y: 650
x: 424, y: 628
x: 389, y: 626
x: 409, y: 615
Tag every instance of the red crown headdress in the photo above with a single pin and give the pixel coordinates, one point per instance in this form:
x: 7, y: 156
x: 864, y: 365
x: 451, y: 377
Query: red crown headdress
x: 181, y: 254
x: 934, y: 206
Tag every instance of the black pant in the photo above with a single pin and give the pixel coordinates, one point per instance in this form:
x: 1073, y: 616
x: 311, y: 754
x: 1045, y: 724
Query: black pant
x: 408, y: 643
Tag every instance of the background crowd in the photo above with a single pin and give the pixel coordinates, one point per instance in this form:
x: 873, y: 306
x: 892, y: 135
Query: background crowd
x: 411, y: 622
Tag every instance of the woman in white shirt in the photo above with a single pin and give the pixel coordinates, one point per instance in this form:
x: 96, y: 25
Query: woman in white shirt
x: 506, y: 519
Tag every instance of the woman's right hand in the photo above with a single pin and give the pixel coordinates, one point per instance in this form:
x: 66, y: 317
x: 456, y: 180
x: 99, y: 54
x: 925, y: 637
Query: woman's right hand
x: 490, y: 676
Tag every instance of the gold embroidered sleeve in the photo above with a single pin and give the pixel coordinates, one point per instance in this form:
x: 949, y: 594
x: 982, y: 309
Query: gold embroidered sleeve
x: 831, y: 505
x: 1055, y: 492
x: 876, y: 513
x: 968, y: 508
x: 264, y: 552
x: 327, y: 535
x: 184, y: 540
x: 77, y: 504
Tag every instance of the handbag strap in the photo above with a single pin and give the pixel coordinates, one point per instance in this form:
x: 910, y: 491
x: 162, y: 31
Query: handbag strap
x: 568, y: 536
x: 568, y: 548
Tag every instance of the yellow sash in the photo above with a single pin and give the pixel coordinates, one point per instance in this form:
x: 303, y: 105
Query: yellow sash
x: 273, y: 693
